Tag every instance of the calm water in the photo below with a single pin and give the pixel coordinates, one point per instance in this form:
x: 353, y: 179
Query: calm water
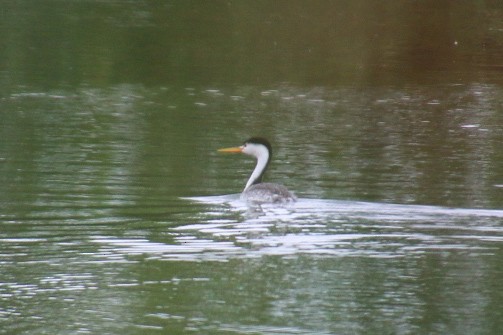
x: 117, y: 215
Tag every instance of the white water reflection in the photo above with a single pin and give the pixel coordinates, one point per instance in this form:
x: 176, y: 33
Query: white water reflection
x: 319, y: 228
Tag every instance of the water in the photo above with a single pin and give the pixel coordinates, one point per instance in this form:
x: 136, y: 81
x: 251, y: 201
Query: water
x: 118, y: 215
x: 98, y: 235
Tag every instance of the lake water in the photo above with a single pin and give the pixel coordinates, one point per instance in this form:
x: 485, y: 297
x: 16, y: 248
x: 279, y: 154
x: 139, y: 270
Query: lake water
x: 118, y: 215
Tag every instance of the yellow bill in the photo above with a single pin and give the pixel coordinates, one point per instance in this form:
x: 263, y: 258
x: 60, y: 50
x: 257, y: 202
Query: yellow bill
x: 231, y: 150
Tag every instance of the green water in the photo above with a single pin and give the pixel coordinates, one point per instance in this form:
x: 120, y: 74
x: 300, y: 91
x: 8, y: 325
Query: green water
x: 111, y: 115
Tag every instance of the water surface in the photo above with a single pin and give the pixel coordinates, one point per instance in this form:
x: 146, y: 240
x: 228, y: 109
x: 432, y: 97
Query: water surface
x: 118, y: 215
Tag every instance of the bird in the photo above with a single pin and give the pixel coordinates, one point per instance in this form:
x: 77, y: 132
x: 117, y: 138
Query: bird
x: 256, y: 191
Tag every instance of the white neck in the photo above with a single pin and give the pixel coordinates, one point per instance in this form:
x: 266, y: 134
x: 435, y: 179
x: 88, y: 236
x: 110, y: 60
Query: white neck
x: 262, y: 155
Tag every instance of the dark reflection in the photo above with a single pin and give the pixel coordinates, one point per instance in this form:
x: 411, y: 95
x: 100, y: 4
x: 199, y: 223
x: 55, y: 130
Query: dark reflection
x: 54, y: 43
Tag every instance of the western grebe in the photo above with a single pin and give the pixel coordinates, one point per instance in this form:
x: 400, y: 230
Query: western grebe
x: 256, y: 191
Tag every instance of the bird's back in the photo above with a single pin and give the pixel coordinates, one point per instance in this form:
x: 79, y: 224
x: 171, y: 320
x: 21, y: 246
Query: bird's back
x: 268, y: 193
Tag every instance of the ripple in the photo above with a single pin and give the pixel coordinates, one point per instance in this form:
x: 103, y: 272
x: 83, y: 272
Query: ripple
x: 320, y: 228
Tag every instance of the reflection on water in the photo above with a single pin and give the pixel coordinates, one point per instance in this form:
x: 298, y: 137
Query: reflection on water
x: 362, y: 42
x: 324, y: 228
x: 319, y: 266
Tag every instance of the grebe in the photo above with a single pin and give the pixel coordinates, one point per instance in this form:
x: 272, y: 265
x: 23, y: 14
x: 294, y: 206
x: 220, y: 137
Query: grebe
x: 255, y: 191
